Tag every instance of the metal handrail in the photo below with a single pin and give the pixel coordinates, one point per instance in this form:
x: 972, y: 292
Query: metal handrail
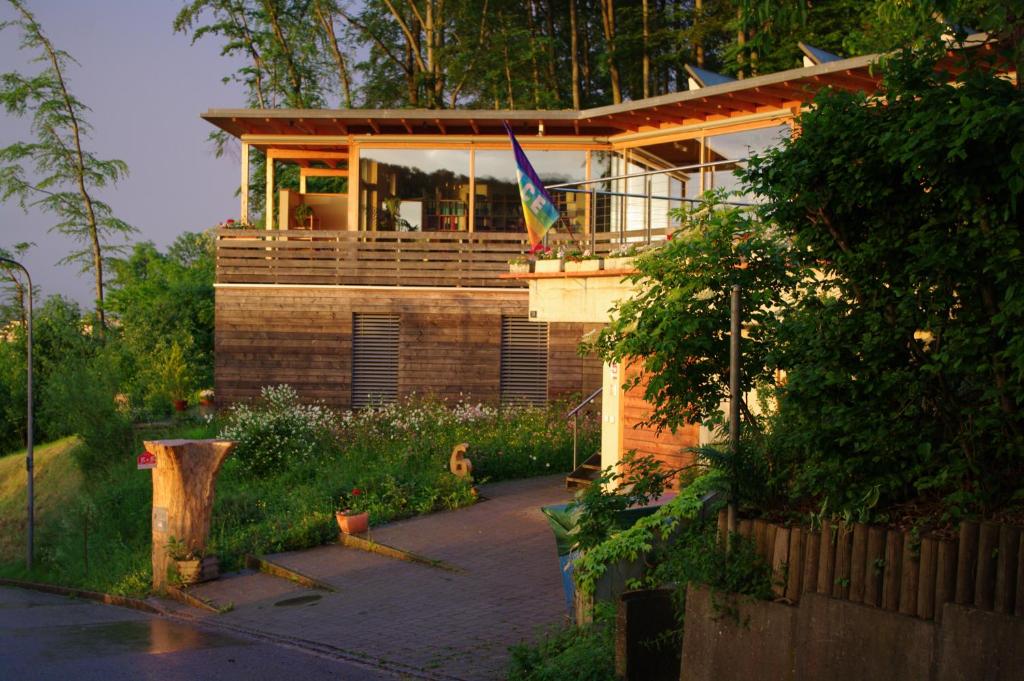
x: 574, y: 414
x: 584, y: 403
x: 659, y: 171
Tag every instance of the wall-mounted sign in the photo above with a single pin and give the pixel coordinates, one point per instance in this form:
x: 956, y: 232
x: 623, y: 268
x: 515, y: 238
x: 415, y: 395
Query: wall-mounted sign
x: 146, y: 460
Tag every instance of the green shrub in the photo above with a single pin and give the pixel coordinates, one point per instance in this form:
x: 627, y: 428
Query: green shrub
x: 278, y: 430
x: 569, y: 654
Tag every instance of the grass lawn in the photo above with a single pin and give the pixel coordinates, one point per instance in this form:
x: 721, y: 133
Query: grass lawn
x: 57, y: 482
x: 93, y: 525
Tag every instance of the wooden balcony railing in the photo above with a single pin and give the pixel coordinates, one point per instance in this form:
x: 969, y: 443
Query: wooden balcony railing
x: 341, y: 258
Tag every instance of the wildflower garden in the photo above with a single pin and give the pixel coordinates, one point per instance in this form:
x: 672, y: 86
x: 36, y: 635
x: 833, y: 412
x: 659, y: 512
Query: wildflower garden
x: 295, y: 465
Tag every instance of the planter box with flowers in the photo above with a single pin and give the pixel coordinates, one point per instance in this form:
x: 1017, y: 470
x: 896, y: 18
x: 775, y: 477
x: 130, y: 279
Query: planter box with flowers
x: 520, y: 266
x: 583, y: 265
x: 350, y: 519
x: 626, y: 262
x: 548, y: 265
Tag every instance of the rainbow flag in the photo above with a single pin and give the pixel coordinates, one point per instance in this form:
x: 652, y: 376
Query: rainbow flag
x: 538, y: 206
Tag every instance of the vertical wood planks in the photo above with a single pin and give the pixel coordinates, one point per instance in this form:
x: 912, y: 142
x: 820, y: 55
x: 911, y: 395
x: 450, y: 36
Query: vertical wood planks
x: 812, y: 545
x: 966, y: 563
x: 892, y: 571
x: 874, y: 563
x: 826, y: 559
x: 796, y: 564
x: 780, y: 560
x: 844, y: 545
x: 769, y: 542
x: 909, y: 573
x: 1006, y: 569
x: 945, y: 575
x: 926, y: 579
x: 1018, y: 609
x: 744, y: 528
x: 858, y: 562
x: 985, y: 582
x: 760, y: 536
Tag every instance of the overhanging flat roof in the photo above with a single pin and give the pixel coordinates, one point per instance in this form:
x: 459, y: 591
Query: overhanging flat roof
x: 735, y: 99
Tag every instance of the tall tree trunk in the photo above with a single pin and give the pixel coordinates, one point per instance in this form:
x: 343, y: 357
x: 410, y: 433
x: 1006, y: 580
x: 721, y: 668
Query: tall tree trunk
x: 698, y: 18
x: 574, y: 41
x: 326, y: 19
x: 294, y: 77
x: 741, y: 41
x: 646, y: 47
x: 588, y: 81
x: 78, y: 164
x: 608, y: 24
x: 534, y: 70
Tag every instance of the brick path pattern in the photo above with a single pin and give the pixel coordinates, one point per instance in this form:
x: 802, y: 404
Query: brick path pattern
x: 413, y: 619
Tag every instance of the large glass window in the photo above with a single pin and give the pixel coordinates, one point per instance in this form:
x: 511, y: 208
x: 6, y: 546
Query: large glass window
x: 738, y: 146
x: 414, y: 189
x: 497, y: 204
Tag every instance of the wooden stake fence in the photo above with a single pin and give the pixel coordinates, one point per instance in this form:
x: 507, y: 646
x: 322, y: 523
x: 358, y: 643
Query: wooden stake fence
x: 895, y: 570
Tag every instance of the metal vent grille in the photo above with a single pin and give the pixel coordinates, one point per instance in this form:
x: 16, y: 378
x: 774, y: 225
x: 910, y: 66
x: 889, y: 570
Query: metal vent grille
x: 374, y: 359
x: 524, y: 361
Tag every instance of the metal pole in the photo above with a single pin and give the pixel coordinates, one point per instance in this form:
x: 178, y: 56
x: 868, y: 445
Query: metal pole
x: 29, y: 463
x: 734, y: 398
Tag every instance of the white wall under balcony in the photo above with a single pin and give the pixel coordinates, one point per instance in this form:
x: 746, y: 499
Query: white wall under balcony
x: 588, y: 298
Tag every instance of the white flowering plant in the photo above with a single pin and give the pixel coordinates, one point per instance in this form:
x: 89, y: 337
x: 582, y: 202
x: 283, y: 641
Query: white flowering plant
x: 278, y: 429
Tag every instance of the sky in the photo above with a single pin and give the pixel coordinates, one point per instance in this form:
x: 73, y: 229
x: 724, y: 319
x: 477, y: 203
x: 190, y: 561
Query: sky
x: 146, y: 87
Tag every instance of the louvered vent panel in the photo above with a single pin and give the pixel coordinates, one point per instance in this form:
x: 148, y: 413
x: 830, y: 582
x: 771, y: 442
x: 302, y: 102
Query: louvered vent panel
x: 524, y: 361
x: 374, y: 359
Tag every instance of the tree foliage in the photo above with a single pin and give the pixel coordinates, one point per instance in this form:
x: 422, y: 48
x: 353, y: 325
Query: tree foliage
x: 883, y: 298
x: 62, y: 175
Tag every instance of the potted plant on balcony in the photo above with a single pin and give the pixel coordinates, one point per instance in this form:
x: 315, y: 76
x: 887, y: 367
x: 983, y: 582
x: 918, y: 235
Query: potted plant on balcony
x: 351, y: 519
x: 304, y: 215
x: 239, y: 230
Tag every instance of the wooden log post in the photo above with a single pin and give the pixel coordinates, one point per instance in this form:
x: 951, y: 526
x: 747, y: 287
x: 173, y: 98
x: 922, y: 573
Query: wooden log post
x: 183, y: 488
x: 893, y: 570
x: 843, y: 570
x: 988, y: 553
x: 966, y: 563
x: 945, y: 576
x: 858, y: 562
x: 812, y: 552
x: 910, y: 573
x: 795, y: 564
x: 780, y: 561
x: 874, y: 564
x: 1006, y: 569
x: 927, y: 569
x: 826, y: 559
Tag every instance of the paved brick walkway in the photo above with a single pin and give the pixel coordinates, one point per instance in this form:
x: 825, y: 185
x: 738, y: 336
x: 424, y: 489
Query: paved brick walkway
x: 412, y: 618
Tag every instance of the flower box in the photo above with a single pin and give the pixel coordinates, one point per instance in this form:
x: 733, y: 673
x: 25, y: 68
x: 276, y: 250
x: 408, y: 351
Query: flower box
x: 352, y: 523
x: 627, y: 262
x: 589, y: 265
x: 197, y: 570
x: 550, y: 265
x: 519, y: 267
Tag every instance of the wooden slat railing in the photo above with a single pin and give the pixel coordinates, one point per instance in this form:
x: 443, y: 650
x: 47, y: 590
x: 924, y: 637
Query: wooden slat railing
x: 458, y: 259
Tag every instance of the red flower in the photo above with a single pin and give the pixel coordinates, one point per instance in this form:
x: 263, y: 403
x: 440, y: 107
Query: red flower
x: 356, y: 491
x: 231, y: 222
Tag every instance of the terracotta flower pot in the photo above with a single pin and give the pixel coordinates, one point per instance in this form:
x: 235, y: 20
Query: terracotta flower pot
x: 353, y: 523
x: 180, y: 405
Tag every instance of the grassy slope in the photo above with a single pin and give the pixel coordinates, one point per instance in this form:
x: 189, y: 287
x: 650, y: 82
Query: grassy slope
x: 57, y: 481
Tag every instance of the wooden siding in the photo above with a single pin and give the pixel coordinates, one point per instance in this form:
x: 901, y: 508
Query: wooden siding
x: 667, y: 447
x: 574, y: 373
x: 449, y: 342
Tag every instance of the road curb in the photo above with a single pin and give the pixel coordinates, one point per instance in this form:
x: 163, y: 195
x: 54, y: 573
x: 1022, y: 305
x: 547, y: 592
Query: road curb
x: 98, y: 596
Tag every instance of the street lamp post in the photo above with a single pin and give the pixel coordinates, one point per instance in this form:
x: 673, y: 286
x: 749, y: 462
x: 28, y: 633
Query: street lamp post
x: 29, y: 464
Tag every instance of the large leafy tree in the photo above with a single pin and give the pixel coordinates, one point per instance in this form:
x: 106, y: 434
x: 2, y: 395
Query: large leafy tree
x: 62, y: 176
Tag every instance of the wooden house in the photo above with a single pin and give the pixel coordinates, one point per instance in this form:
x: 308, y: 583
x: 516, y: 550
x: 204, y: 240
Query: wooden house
x: 380, y: 275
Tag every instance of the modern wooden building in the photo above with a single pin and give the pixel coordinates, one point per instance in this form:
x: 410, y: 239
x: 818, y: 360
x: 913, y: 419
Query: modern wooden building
x: 378, y: 274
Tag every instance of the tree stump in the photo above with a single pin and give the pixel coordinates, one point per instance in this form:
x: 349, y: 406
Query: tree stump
x: 183, y: 488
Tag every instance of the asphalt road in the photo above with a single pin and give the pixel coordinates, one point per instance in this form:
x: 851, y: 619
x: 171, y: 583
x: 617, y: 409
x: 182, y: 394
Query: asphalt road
x: 44, y: 636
